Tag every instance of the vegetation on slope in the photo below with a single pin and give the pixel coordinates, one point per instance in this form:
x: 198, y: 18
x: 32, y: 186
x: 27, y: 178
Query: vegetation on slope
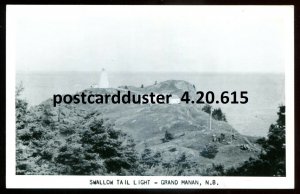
x: 144, y: 140
x: 272, y: 159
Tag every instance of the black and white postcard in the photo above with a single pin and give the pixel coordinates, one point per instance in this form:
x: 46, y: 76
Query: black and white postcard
x: 114, y: 96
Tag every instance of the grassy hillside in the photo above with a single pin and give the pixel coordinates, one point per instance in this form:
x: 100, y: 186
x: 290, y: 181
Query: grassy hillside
x: 147, y: 125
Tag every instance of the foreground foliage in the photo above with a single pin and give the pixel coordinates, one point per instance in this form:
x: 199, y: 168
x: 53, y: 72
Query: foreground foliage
x: 271, y: 161
x: 65, y: 141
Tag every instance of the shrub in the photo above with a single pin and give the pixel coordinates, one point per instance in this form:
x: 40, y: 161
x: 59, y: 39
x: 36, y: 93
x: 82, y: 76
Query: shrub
x: 217, y: 114
x: 214, y: 170
x: 168, y: 136
x: 149, y: 158
x: 210, y: 151
x: 207, y: 108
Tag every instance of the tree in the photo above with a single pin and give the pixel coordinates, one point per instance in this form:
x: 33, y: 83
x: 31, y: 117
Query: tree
x: 47, y: 116
x: 217, y: 114
x: 93, y: 148
x: 22, y: 151
x: 146, y: 156
x: 101, y: 138
x: 130, y: 155
x: 274, y: 145
x: 74, y: 160
x: 142, y: 86
x: 182, y: 164
x: 272, y: 160
x: 207, y: 108
x: 150, y: 159
x: 21, y: 108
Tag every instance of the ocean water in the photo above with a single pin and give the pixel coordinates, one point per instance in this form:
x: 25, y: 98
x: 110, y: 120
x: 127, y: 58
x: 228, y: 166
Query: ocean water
x: 265, y: 91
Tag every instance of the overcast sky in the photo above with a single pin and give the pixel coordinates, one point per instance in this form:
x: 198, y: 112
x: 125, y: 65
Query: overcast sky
x: 150, y: 38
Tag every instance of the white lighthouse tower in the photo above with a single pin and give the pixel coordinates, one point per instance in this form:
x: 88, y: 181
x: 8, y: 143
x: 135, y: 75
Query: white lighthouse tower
x: 103, y: 83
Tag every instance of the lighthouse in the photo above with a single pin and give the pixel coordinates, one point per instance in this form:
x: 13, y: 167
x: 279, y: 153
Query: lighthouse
x: 103, y: 83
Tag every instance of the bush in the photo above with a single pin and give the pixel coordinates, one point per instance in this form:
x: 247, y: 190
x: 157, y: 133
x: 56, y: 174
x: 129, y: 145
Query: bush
x: 149, y: 158
x: 214, y: 170
x: 168, y: 136
x: 210, y: 151
x: 207, y: 108
x: 182, y: 164
x: 217, y: 114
